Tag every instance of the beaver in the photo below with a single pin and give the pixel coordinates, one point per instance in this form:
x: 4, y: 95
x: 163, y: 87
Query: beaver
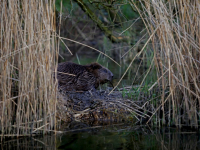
x: 77, y: 77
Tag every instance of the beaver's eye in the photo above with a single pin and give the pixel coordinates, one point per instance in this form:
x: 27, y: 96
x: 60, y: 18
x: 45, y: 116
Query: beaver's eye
x: 105, y: 71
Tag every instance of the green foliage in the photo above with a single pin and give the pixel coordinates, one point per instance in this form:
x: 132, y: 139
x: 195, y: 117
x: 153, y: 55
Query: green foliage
x: 132, y: 94
x: 128, y: 12
x: 67, y: 5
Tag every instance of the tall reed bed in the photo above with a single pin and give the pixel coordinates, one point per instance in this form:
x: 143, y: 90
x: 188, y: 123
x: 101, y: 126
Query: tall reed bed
x: 27, y: 56
x: 177, y: 58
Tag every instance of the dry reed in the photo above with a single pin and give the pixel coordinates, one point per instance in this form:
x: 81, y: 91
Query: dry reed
x: 27, y: 55
x: 177, y: 58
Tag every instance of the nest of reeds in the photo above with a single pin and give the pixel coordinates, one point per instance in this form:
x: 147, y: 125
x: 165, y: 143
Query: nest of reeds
x: 99, y: 106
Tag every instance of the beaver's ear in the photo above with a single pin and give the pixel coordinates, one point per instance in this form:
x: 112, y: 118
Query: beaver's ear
x: 95, y: 66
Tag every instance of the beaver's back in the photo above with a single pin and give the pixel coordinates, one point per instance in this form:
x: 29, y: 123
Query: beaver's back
x: 72, y: 76
x: 71, y: 68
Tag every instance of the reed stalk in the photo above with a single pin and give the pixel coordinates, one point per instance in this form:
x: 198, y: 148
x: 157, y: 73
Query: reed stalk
x: 27, y: 55
x: 176, y: 56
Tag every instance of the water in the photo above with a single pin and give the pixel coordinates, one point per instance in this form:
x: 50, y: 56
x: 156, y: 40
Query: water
x: 112, y: 137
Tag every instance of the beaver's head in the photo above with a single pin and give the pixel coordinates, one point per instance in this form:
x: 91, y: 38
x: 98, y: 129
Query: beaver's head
x: 102, y: 74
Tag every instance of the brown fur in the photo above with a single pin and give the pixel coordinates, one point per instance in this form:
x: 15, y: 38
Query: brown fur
x: 83, y: 77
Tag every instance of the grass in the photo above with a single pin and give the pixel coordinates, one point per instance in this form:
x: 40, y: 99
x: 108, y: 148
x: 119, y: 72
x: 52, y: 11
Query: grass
x: 174, y: 30
x: 28, y: 55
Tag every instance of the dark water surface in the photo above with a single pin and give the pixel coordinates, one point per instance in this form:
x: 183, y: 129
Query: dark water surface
x: 111, y: 138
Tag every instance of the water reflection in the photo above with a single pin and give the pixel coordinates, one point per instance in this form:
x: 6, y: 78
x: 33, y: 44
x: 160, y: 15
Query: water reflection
x: 112, y: 138
x: 30, y: 143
